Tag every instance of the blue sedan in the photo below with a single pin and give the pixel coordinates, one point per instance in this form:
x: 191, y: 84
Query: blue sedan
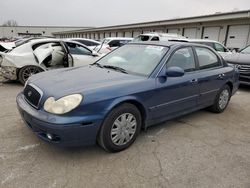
x: 130, y: 89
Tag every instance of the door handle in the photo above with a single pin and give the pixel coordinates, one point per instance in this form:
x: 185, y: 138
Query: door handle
x: 194, y: 81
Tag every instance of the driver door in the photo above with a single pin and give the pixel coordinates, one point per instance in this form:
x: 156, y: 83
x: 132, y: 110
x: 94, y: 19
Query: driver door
x: 176, y: 95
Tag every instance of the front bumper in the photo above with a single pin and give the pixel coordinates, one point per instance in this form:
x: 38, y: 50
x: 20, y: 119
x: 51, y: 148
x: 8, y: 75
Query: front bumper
x: 66, y: 133
x: 244, y: 79
x: 9, y: 72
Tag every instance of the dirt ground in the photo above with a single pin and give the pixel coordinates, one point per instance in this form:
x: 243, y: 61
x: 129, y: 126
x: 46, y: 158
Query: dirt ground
x: 195, y: 151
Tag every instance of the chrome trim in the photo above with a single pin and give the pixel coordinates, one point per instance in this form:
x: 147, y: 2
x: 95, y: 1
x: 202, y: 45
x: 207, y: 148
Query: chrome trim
x: 172, y: 102
x: 39, y: 91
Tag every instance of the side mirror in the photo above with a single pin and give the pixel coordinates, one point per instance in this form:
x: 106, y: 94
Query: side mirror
x: 94, y: 53
x: 175, y: 72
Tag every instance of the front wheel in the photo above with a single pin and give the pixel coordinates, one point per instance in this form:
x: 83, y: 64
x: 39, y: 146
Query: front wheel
x: 221, y: 100
x: 120, y: 128
x: 26, y: 72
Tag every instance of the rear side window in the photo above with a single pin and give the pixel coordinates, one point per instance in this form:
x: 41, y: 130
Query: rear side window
x: 155, y: 39
x: 207, y: 59
x: 183, y: 58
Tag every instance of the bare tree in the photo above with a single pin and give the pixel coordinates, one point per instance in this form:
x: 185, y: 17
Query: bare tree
x: 10, y: 23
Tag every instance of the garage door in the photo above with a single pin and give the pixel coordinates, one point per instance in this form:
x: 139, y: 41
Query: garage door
x: 128, y: 34
x: 120, y: 34
x: 159, y: 30
x: 238, y: 36
x: 101, y: 35
x: 212, y: 33
x: 146, y: 31
x: 107, y: 34
x: 173, y: 31
x: 136, y: 33
x: 190, y: 33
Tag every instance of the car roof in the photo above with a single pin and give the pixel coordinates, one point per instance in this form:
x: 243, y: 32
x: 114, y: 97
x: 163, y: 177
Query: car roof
x: 119, y: 38
x: 169, y: 43
x: 82, y: 39
x: 197, y: 40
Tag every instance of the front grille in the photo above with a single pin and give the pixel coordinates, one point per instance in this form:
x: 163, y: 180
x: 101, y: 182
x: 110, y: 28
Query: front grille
x: 32, y: 95
x: 244, y: 69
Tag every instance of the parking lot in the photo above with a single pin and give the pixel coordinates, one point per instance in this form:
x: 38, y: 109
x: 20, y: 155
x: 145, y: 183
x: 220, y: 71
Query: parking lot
x: 198, y: 150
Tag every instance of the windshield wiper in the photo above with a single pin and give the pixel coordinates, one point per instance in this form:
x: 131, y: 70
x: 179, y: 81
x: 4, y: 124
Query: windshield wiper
x: 115, y: 68
x: 97, y: 64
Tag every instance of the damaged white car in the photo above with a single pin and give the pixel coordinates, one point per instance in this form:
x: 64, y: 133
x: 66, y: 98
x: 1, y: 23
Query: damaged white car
x: 44, y: 54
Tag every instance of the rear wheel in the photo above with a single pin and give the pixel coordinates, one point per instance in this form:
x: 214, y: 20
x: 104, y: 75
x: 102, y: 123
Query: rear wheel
x: 120, y: 128
x: 222, y: 100
x: 26, y: 72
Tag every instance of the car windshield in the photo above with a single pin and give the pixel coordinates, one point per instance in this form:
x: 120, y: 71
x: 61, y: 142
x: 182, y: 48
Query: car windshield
x: 134, y: 59
x: 246, y: 50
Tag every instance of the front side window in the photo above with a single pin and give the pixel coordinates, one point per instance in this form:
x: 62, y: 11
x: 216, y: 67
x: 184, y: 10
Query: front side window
x: 207, y: 59
x: 219, y: 47
x: 183, y: 58
x: 135, y: 59
x: 246, y: 50
x: 142, y: 38
x: 77, y: 49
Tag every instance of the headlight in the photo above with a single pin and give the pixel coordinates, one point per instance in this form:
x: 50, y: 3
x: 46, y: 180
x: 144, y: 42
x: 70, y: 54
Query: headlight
x: 62, y: 105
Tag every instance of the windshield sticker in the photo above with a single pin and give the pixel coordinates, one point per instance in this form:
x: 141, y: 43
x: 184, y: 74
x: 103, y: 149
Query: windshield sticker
x: 159, y: 48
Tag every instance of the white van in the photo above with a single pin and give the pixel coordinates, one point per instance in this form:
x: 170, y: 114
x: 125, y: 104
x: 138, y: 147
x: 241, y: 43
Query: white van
x: 157, y: 37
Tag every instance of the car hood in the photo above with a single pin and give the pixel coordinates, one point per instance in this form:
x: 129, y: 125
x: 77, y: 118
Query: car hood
x: 85, y: 79
x: 238, y: 58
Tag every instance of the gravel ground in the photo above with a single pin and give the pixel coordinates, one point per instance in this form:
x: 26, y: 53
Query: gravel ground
x: 195, y: 151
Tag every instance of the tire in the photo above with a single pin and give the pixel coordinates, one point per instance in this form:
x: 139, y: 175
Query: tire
x: 26, y: 72
x: 222, y: 100
x: 123, y: 135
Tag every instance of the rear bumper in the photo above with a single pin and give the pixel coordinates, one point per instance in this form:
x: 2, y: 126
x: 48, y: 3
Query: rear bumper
x: 72, y: 133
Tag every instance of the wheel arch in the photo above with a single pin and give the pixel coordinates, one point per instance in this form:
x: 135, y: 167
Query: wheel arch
x: 230, y: 84
x: 134, y: 101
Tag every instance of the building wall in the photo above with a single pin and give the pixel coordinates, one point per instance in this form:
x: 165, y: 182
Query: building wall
x: 32, y: 31
x: 194, y: 30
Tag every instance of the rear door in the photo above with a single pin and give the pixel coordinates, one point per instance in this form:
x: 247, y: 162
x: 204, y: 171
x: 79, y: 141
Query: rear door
x: 211, y: 75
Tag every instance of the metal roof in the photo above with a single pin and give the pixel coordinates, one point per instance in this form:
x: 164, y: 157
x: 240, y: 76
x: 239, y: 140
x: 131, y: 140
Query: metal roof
x: 203, y: 18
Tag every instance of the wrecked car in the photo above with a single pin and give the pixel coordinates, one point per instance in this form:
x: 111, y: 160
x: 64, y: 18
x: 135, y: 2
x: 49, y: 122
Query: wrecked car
x: 44, y: 54
x: 134, y: 87
x: 4, y: 46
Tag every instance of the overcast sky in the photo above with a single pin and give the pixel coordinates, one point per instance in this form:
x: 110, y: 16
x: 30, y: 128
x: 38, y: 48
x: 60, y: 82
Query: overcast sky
x: 109, y: 12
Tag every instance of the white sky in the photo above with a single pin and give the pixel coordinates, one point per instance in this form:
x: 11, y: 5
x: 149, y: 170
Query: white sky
x: 109, y: 12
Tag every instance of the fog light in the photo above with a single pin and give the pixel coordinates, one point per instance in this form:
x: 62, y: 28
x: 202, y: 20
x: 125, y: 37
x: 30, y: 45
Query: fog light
x: 49, y: 136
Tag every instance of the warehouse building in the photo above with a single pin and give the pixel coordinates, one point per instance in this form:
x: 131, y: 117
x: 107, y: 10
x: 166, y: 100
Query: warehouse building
x: 34, y: 31
x: 232, y: 29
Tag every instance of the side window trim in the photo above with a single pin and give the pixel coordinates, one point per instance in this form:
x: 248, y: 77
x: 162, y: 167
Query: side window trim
x: 194, y: 54
x: 198, y: 63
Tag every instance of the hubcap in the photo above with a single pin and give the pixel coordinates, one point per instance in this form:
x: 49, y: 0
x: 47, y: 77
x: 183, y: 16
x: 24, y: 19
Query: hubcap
x: 29, y: 71
x: 123, y: 129
x: 224, y: 97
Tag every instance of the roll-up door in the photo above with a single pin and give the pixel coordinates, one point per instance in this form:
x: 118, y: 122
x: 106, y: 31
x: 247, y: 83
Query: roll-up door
x: 211, y: 33
x: 238, y: 36
x: 190, y: 33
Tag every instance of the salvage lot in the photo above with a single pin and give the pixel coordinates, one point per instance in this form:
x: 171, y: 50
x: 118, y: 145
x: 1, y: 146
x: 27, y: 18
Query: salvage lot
x: 198, y: 150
